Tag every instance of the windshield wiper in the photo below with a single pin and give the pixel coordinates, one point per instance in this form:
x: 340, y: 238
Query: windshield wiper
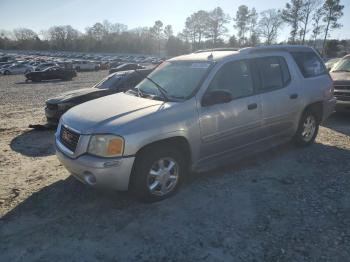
x: 161, y: 90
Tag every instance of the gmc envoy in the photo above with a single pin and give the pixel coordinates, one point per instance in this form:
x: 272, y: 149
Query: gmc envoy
x: 194, y: 113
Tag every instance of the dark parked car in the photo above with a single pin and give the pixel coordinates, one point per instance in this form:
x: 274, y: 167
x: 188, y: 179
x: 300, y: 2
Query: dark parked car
x: 51, y: 73
x: 127, y: 66
x: 114, y: 83
x: 340, y: 74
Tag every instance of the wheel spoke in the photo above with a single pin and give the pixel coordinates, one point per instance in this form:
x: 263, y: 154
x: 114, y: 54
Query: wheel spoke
x: 172, y: 178
x: 154, y: 185
x: 154, y: 173
x: 170, y: 166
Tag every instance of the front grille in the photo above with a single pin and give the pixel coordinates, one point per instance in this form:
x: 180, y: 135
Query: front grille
x: 342, y: 92
x: 52, y: 106
x: 69, y: 138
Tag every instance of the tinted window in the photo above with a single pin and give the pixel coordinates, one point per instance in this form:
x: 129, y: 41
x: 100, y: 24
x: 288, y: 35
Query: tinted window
x: 309, y: 64
x: 274, y: 73
x: 234, y: 77
x: 111, y: 81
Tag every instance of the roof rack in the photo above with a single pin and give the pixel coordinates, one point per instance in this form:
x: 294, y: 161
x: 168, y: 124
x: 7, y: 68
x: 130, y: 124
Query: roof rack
x: 216, y: 49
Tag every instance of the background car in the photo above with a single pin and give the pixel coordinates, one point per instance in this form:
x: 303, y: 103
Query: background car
x: 331, y: 62
x: 127, y: 66
x: 114, y: 83
x: 85, y: 65
x: 51, y: 73
x: 16, y: 69
x: 340, y: 74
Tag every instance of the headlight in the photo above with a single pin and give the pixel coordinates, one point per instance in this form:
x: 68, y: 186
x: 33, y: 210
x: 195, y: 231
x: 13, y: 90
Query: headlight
x: 106, y: 145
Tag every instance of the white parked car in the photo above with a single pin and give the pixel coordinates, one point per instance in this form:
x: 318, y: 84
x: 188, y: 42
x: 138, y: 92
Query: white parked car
x: 16, y: 69
x: 85, y: 65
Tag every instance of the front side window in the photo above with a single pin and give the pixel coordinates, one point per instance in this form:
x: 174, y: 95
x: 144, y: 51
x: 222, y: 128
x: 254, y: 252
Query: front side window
x: 274, y: 73
x: 235, y: 78
x: 179, y: 79
x: 309, y: 64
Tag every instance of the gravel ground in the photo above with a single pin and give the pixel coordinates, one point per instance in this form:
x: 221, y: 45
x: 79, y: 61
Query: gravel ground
x: 287, y: 204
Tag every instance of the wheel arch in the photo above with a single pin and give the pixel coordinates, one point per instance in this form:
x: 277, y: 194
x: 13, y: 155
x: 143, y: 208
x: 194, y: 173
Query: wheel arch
x: 180, y: 142
x: 316, y: 107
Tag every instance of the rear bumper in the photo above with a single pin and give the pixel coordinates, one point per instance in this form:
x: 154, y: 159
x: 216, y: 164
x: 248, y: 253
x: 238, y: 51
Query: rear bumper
x: 100, y: 172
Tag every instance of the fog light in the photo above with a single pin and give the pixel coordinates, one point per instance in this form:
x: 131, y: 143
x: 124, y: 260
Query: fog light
x: 90, y: 179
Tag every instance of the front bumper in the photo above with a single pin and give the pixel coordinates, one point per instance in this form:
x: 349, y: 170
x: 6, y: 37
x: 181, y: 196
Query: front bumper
x: 342, y: 106
x: 328, y: 108
x: 112, y: 173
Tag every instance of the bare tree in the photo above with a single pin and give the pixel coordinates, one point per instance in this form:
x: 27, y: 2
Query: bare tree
x: 217, y: 20
x: 269, y: 24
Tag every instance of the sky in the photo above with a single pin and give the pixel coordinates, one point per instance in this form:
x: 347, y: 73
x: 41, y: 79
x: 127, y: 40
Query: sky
x: 41, y: 14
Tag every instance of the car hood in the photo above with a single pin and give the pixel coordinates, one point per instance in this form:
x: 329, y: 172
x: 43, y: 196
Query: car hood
x: 68, y: 96
x: 105, y: 114
x: 340, y: 77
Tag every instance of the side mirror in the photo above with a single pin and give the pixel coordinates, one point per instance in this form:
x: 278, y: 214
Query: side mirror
x: 216, y: 97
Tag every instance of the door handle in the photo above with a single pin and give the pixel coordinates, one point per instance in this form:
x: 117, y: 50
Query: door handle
x: 293, y: 96
x: 252, y: 106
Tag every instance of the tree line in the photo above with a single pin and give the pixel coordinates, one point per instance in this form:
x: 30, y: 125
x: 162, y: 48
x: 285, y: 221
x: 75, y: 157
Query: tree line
x: 308, y: 20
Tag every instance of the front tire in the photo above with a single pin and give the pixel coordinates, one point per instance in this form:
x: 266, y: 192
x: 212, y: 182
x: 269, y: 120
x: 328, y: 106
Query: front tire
x: 308, y: 129
x: 7, y: 72
x: 158, y: 173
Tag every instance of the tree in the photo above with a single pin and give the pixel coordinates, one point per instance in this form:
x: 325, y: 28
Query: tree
x: 217, y: 20
x: 196, y: 27
x: 233, y: 41
x: 168, y: 31
x: 292, y: 15
x: 269, y: 24
x: 317, y: 27
x: 307, y: 8
x: 332, y: 48
x: 157, y: 32
x: 252, y: 25
x: 242, y: 20
x: 332, y: 11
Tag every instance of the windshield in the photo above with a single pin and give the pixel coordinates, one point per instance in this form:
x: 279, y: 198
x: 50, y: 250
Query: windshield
x: 109, y: 82
x: 342, y: 65
x: 178, y: 79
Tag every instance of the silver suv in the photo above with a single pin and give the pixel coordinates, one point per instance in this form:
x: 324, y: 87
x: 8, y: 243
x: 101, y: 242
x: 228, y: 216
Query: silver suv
x: 193, y: 113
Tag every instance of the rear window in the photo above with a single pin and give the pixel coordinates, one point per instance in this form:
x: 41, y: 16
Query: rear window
x: 274, y: 73
x: 309, y: 64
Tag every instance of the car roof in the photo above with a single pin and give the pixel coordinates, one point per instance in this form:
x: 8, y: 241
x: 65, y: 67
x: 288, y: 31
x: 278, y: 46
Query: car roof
x: 222, y: 53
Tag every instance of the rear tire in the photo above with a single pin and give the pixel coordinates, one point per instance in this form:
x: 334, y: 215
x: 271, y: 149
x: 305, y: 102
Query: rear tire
x: 158, y: 173
x: 308, y: 129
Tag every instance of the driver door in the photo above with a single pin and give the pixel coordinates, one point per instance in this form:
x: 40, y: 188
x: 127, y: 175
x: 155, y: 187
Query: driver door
x: 232, y: 125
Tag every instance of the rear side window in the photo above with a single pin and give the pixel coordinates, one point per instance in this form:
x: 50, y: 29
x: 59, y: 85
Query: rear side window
x: 309, y: 64
x: 274, y: 73
x: 234, y: 77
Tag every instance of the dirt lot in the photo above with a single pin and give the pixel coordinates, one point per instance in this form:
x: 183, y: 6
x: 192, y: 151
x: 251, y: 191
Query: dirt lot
x: 285, y: 205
